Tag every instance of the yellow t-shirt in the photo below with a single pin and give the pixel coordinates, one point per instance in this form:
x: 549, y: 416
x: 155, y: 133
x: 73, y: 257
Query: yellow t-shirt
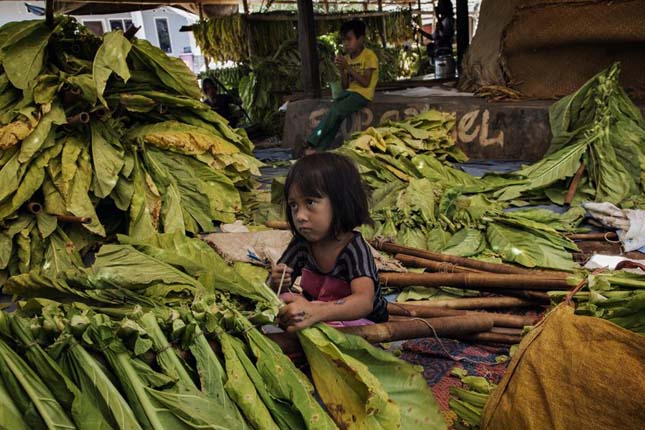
x: 366, y: 60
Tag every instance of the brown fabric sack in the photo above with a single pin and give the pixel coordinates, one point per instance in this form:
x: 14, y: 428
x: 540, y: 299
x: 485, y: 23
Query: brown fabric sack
x: 572, y: 372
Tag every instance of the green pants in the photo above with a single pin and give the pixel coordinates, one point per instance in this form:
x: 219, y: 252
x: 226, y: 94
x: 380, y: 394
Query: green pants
x: 323, y: 135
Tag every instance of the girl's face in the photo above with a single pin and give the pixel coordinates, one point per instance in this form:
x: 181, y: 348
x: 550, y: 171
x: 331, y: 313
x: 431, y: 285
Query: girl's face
x: 312, y: 216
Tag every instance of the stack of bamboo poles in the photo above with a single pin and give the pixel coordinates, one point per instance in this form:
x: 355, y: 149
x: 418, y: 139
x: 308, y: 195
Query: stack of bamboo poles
x: 515, y: 287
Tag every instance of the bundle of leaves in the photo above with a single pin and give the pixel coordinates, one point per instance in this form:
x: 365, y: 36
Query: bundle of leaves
x: 599, y: 128
x: 421, y: 200
x: 109, y: 130
x: 162, y: 334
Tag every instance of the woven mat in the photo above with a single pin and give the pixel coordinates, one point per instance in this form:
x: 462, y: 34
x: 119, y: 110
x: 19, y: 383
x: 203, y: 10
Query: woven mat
x: 437, y: 365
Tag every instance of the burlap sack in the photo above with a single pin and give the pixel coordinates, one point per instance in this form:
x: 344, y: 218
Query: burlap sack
x: 572, y: 372
x: 549, y: 48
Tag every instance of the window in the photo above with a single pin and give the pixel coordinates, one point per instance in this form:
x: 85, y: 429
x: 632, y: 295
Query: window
x: 95, y: 27
x: 120, y: 24
x: 163, y: 35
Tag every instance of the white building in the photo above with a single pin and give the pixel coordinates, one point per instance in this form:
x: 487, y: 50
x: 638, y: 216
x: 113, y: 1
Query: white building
x: 159, y: 26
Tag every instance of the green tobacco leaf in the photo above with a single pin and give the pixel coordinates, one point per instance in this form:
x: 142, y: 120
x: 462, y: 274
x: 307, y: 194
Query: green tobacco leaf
x: 110, y: 57
x: 240, y: 386
x: 82, y: 411
x: 559, y: 165
x: 44, y: 401
x: 387, y: 392
x: 522, y: 247
x: 10, y: 416
x: 42, y: 133
x: 123, y: 266
x: 24, y: 58
x: 107, y: 157
x: 465, y: 243
x: 172, y: 71
x: 284, y: 381
x: 97, y: 386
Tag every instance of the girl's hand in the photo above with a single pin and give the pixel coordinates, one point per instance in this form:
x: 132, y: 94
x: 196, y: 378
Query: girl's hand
x: 297, y: 313
x: 276, y: 276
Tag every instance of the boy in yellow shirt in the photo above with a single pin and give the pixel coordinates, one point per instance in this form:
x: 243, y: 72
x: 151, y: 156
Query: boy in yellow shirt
x: 359, y: 75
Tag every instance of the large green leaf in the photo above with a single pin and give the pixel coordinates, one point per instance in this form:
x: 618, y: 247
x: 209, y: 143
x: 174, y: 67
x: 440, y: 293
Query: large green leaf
x: 172, y: 71
x: 240, y: 386
x: 383, y: 391
x: 465, y: 243
x: 527, y: 249
x: 110, y: 57
x: 107, y: 158
x: 24, y: 57
x: 559, y: 165
x: 45, y: 403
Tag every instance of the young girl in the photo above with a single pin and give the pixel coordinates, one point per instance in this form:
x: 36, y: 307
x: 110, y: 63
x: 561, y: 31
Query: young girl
x: 326, y: 201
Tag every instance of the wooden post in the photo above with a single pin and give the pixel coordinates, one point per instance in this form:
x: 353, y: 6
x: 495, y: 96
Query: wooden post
x: 463, y: 33
x: 382, y: 29
x: 307, y: 47
x: 245, y: 5
x: 49, y: 12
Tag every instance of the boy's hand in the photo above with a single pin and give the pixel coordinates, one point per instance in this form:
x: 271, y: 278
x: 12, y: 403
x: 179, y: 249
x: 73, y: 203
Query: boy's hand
x: 276, y: 275
x: 341, y: 62
x: 297, y: 313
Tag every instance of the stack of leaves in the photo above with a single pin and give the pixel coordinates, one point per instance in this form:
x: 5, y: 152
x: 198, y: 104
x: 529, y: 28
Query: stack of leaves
x: 598, y: 129
x: 110, y: 131
x: 468, y: 403
x: 162, y: 334
x: 618, y: 297
x: 422, y: 201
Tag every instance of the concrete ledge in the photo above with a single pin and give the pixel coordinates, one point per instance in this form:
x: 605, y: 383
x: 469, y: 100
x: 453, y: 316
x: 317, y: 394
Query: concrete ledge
x: 485, y: 130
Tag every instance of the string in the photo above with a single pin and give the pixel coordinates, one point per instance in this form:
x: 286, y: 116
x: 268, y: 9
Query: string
x: 452, y: 357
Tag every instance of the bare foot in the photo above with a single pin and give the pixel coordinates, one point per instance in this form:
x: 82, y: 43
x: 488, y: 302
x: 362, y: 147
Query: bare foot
x: 309, y: 150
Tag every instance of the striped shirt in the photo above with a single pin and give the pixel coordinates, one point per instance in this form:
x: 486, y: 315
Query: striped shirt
x: 354, y: 261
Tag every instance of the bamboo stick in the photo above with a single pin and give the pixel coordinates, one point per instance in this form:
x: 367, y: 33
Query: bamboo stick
x: 421, y: 327
x: 573, y: 187
x: 436, y: 266
x: 610, y: 235
x: 74, y: 219
x: 393, y: 248
x: 473, y: 303
x: 507, y: 330
x: 277, y: 225
x: 530, y: 295
x: 78, y: 119
x: 488, y: 337
x: 473, y: 281
x: 499, y: 320
x: 399, y: 330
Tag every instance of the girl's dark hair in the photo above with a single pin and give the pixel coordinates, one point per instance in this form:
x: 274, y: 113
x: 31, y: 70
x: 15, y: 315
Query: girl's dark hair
x: 334, y: 176
x: 355, y: 25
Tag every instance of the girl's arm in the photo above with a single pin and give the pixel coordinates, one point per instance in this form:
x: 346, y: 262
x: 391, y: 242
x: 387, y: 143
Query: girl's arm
x: 300, y: 313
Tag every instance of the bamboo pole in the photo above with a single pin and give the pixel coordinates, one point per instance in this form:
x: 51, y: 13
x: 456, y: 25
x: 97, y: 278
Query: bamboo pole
x: 420, y: 311
x: 473, y: 281
x: 573, y: 187
x: 470, y: 303
x: 277, y: 225
x: 610, y: 235
x: 436, y: 266
x: 489, y: 337
x: 393, y: 248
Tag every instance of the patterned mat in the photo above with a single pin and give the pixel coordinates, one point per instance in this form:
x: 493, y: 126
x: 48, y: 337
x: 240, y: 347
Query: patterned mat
x: 478, y: 360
